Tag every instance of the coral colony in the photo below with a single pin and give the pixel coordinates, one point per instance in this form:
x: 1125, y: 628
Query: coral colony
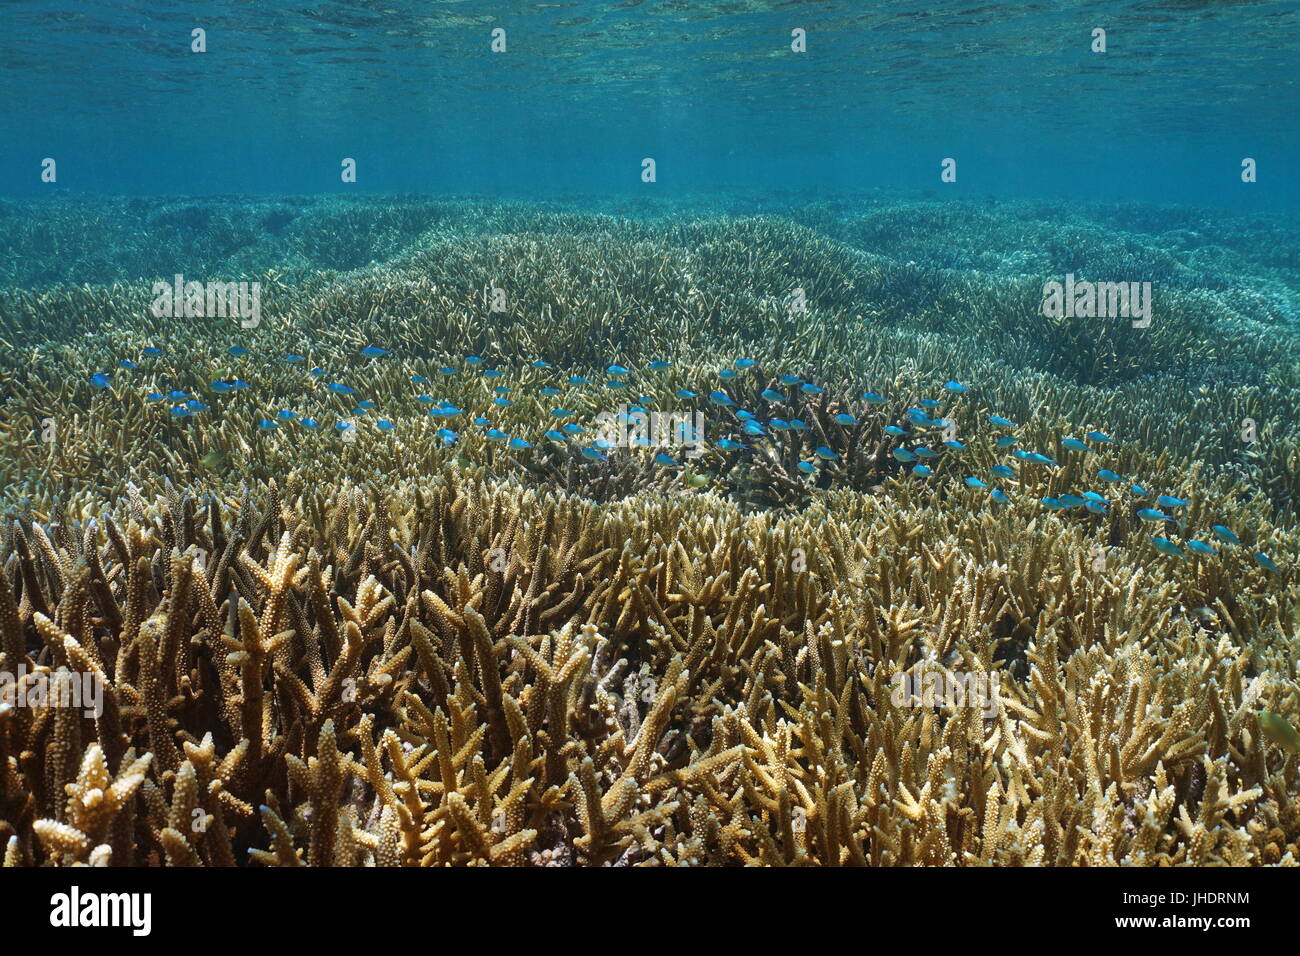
x: 364, y: 584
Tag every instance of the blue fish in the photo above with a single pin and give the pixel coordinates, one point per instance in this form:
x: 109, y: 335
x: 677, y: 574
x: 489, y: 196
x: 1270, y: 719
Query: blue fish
x: 1002, y: 422
x: 726, y: 444
x: 602, y: 445
x: 895, y: 430
x: 790, y: 380
x: 492, y: 373
x: 342, y: 426
x: 825, y: 454
x: 918, y: 417
x: 238, y: 351
x: 1099, y: 436
x: 285, y: 415
x: 753, y: 429
x: 427, y: 399
x: 772, y: 395
x: 293, y: 359
x: 1096, y: 507
x: 593, y: 455
x: 665, y: 461
x: 658, y: 365
x: 473, y: 360
x: 152, y: 350
x: 127, y: 364
x: 548, y: 391
x: 873, y: 399
x: 555, y: 436
x: 540, y: 364
x: 519, y: 444
x: 579, y: 380
x: 384, y: 425
x: 445, y: 410
x: 155, y: 397
x: 571, y: 428
x: 845, y: 419
x: 1225, y: 534
x: 924, y: 452
x: 618, y: 370
x: 744, y: 416
x: 998, y: 495
x: 1265, y: 562
x: 744, y: 363
x: 267, y: 426
x: 496, y: 434
x: 310, y: 423
x: 902, y: 454
x: 195, y: 405
x: 1053, y: 504
x: 181, y: 412
x: 929, y: 403
x: 954, y: 445
x: 1003, y: 471
x: 236, y: 383
x: 957, y: 387
x: 318, y: 372
x: 1167, y: 547
x: 1006, y: 441
x: 99, y: 380
x: 1107, y: 475
x: 973, y: 482
x: 481, y: 421
x: 561, y: 413
x: 1072, y: 501
x: 1200, y: 547
x: 502, y: 402
x: 1151, y: 514
x: 807, y: 467
x: 1139, y: 490
x: 1093, y: 496
x: 502, y: 389
x: 798, y: 425
x: 1039, y: 459
x: 340, y: 389
x: 720, y: 398
x: 444, y: 370
x: 685, y: 393
x: 921, y: 471
x: 365, y: 404
x: 1074, y: 444
x: 1169, y: 501
x: 727, y: 374
x: 222, y: 387
x: 374, y: 351
x: 615, y: 384
x: 808, y: 388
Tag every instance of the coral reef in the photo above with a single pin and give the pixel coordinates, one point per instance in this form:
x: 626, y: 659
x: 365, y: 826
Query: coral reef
x: 381, y: 646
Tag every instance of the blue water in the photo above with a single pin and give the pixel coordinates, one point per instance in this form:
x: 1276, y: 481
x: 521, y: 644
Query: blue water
x: 711, y: 90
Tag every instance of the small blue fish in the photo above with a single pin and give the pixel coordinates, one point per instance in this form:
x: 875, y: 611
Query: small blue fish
x: 615, y: 384
x: 501, y: 389
x: 790, y: 379
x: 1099, y: 436
x: 1225, y: 534
x: 195, y: 405
x: 929, y: 403
x: 222, y: 387
x: 481, y: 422
x: 922, y: 471
x: 957, y: 387
x: 973, y: 482
x: 548, y: 391
x: 873, y: 399
x: 998, y: 495
x: 385, y: 426
x: 665, y: 461
x: 1093, y: 496
x: 374, y: 351
x: 540, y: 364
x: 579, y: 380
x: 954, y: 445
x: 155, y: 396
x: 1039, y: 459
x: 99, y: 380
x: 1096, y: 507
x: 447, y: 436
x: 798, y: 425
x: 924, y: 452
x: 1200, y: 547
x: 1151, y: 514
x: 238, y: 351
x: 779, y: 425
x: 685, y: 393
x: 127, y: 364
x: 342, y: 426
x: 1053, y: 504
x: 236, y: 383
x: 1006, y: 441
x: 181, y: 412
x: 473, y: 360
x: 1169, y: 501
x: 1166, y: 546
x: 572, y: 429
x: 726, y: 444
x: 808, y: 388
x: 310, y: 423
x: 826, y: 454
x: 754, y: 430
x: 1107, y: 475
x: 519, y: 444
x: 772, y: 395
x: 1139, y: 490
x: 1002, y: 422
x: 1265, y: 562
x: 152, y: 350
x: 658, y: 365
x: 502, y: 402
x: 496, y: 434
x: 285, y: 415
x: 845, y: 419
x: 895, y: 430
x: 744, y: 363
x: 918, y: 417
x: 365, y: 405
x: 318, y: 372
x: 267, y: 426
x: 1072, y: 501
x: 902, y: 454
x: 427, y: 399
x: 807, y: 467
x: 1074, y: 444
x: 561, y: 413
x: 340, y: 389
x: 727, y: 374
x: 555, y: 436
x: 442, y: 370
x: 593, y: 455
x: 618, y: 370
x: 492, y: 373
x: 720, y: 398
x: 294, y: 359
x: 745, y: 416
x: 1003, y: 471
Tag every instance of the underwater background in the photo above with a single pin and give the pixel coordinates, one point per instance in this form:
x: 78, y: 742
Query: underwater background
x: 649, y: 433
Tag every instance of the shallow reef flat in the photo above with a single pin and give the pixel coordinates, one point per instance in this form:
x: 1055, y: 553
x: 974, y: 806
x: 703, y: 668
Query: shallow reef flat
x: 934, y: 578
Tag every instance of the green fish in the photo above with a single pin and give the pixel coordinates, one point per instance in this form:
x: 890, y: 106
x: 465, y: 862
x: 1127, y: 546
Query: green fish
x: 215, y: 461
x: 1277, y: 729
